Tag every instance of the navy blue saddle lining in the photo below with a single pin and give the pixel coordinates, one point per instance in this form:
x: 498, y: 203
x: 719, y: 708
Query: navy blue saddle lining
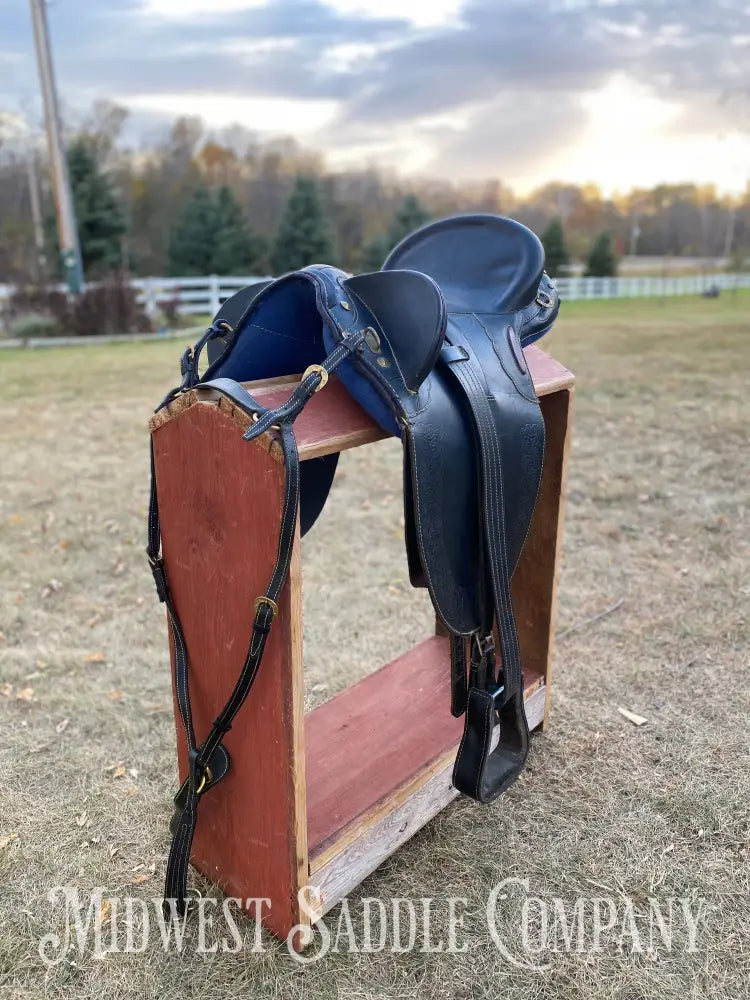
x: 281, y: 333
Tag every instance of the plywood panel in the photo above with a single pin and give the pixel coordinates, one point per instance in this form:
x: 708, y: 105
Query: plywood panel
x: 342, y: 872
x: 366, y: 745
x: 535, y: 579
x: 220, y: 501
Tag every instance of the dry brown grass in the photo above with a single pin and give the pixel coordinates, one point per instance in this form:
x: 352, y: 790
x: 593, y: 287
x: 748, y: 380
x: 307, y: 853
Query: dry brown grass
x: 657, y: 516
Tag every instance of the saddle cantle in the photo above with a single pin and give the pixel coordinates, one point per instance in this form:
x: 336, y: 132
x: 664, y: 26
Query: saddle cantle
x: 431, y: 348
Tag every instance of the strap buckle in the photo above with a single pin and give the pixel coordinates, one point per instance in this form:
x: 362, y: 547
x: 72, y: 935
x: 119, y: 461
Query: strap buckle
x: 484, y: 646
x: 196, y: 785
x: 259, y: 601
x: 206, y: 779
x: 160, y: 575
x: 188, y: 369
x: 316, y: 370
x: 544, y: 299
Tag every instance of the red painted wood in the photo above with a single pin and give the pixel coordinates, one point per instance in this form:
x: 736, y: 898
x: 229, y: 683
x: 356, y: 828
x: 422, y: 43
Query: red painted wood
x: 534, y: 581
x: 331, y: 415
x: 371, y: 739
x: 220, y: 501
x: 220, y: 505
x: 333, y: 421
x: 547, y: 373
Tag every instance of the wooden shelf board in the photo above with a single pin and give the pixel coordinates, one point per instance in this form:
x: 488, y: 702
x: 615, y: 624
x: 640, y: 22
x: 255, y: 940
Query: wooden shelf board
x: 376, y: 742
x: 341, y: 870
x: 333, y: 422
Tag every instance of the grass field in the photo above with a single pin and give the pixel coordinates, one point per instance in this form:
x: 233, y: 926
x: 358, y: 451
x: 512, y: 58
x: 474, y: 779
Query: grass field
x: 657, y: 525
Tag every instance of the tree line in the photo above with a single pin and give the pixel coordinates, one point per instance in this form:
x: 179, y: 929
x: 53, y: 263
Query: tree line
x: 199, y: 203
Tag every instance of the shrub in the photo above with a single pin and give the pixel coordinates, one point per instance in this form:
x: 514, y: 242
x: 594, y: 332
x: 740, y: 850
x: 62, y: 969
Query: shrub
x: 170, y: 309
x: 108, y: 307
x: 41, y: 301
x: 33, y: 324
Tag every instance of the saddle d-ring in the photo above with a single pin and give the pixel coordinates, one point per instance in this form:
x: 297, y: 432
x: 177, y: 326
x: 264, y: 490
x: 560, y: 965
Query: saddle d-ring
x: 316, y: 370
x: 256, y: 418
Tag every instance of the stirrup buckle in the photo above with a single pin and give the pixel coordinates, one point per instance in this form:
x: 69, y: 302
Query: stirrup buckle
x: 484, y: 646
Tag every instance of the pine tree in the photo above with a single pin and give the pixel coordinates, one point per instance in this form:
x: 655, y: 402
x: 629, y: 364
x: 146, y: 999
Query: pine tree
x: 409, y: 217
x: 99, y: 215
x: 602, y: 262
x: 211, y: 236
x: 374, y: 253
x: 193, y: 238
x: 237, y: 250
x: 555, y: 251
x: 304, y: 235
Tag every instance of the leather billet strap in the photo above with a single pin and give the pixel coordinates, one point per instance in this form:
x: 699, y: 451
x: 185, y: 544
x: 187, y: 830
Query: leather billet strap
x: 480, y: 771
x: 459, y: 690
x: 208, y: 762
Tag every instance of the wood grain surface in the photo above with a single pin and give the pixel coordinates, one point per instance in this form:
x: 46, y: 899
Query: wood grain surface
x: 366, y: 745
x: 220, y: 500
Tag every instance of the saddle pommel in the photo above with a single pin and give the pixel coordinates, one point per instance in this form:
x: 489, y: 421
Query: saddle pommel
x: 409, y: 309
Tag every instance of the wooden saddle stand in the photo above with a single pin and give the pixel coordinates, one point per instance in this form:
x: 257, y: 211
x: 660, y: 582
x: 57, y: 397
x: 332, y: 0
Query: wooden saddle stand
x: 318, y: 799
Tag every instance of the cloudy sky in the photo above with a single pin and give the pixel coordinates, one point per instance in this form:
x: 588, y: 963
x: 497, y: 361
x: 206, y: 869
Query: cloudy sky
x: 620, y: 92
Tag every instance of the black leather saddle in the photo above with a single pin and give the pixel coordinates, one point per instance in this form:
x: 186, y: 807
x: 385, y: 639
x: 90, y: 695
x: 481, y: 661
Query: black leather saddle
x: 431, y: 347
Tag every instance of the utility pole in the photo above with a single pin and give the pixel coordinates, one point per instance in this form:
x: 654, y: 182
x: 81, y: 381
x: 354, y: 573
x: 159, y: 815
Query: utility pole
x: 70, y: 250
x: 36, y: 209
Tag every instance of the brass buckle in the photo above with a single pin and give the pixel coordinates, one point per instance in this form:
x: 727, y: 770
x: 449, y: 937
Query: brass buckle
x: 266, y: 600
x: 205, y: 780
x: 316, y: 370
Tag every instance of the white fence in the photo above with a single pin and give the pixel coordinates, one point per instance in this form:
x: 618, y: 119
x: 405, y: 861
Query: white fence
x: 203, y: 296
x: 191, y: 296
x: 647, y: 286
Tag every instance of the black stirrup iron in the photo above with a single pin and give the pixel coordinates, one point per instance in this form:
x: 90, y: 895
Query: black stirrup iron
x: 432, y: 348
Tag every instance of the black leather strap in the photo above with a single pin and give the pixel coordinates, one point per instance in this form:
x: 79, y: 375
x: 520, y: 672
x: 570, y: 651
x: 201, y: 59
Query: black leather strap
x: 480, y: 771
x: 459, y: 690
x: 209, y: 761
